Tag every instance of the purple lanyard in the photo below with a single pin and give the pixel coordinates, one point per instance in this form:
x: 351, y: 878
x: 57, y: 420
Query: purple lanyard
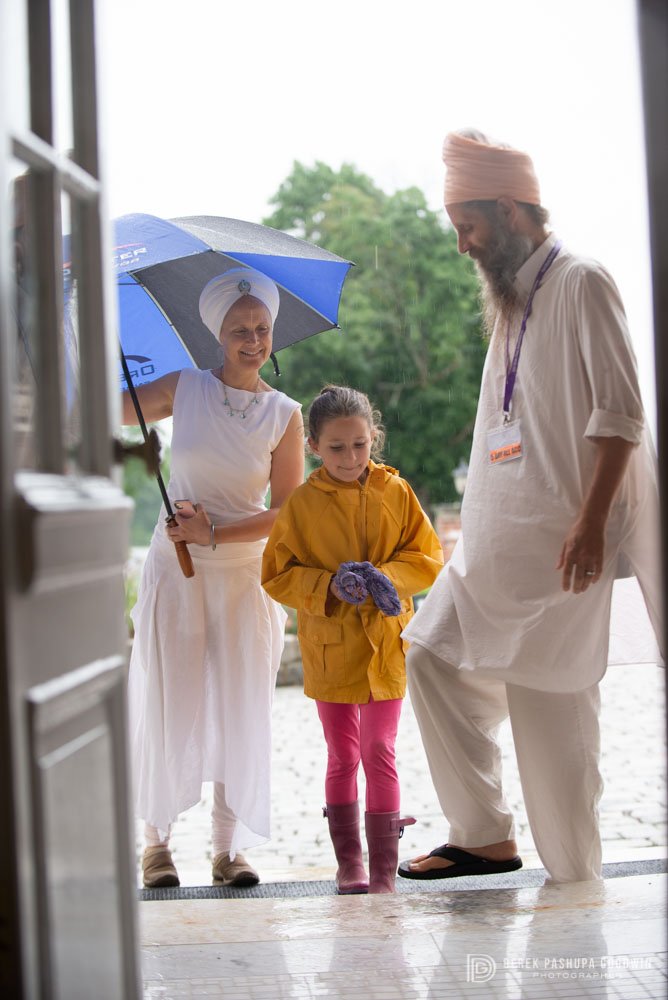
x: 511, y: 368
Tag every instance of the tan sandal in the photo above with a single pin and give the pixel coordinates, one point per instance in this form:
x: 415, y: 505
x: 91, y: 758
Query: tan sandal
x: 237, y: 872
x: 158, y: 868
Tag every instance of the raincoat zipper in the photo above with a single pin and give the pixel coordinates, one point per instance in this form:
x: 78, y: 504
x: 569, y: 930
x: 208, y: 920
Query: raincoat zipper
x: 365, y: 539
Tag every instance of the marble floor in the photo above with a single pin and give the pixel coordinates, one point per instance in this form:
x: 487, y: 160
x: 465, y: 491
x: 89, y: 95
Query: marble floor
x: 590, y: 939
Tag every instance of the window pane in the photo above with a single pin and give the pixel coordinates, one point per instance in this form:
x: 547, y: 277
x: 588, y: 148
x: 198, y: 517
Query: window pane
x: 17, y: 109
x: 62, y: 75
x: 35, y: 342
x: 25, y: 367
x: 71, y: 399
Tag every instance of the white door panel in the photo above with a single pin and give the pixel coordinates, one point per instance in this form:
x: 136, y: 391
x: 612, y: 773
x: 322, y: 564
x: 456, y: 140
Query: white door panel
x: 67, y: 872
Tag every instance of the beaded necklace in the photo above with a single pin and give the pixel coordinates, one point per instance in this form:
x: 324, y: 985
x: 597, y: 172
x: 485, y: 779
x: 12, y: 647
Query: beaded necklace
x: 233, y: 411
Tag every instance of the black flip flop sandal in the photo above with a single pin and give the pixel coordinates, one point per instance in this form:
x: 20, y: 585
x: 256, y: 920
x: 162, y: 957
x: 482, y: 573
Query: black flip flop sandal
x: 464, y: 863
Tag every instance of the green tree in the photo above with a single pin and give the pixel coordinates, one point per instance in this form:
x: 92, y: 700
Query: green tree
x: 144, y: 490
x: 410, y: 325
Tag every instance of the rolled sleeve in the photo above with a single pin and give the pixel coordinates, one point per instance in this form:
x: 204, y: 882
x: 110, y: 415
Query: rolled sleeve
x: 609, y: 359
x: 315, y: 588
x: 604, y: 423
x: 286, y: 573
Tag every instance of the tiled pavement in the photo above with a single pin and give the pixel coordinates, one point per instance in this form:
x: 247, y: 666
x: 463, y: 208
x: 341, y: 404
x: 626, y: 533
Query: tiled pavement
x: 633, y: 807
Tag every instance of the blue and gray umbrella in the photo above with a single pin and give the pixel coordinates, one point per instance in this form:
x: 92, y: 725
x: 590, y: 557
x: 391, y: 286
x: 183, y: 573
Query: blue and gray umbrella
x: 163, y: 265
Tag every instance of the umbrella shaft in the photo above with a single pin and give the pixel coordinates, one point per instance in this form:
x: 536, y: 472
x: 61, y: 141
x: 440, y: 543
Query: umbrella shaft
x: 144, y: 430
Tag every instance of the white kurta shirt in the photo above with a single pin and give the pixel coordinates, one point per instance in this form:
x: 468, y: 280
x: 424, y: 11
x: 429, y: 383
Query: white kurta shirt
x: 498, y: 605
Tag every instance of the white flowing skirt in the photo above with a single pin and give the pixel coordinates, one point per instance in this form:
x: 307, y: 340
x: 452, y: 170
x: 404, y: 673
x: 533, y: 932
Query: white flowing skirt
x: 202, y: 675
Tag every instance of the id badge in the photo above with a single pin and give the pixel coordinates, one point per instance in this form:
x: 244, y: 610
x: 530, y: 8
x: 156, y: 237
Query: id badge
x: 504, y: 444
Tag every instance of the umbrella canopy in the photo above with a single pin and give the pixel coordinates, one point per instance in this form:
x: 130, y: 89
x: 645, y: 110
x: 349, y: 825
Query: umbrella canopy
x: 163, y: 264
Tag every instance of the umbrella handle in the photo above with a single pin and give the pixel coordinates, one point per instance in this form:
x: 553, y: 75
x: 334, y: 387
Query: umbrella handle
x: 185, y: 562
x: 182, y: 554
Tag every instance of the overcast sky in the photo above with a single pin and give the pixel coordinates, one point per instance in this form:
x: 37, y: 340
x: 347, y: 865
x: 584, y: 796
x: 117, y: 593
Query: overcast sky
x: 208, y: 104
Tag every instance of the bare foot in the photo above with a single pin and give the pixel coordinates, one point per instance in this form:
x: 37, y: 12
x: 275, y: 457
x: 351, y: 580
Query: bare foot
x: 503, y: 851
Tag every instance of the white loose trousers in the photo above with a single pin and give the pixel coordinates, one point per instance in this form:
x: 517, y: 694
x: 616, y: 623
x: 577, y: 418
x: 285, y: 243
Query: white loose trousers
x: 557, y: 745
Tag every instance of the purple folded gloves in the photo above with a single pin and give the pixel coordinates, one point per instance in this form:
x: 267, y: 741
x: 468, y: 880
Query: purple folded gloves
x: 356, y: 580
x: 350, y: 584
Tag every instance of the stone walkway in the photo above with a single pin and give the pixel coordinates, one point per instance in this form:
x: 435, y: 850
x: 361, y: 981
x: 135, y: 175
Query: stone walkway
x: 633, y: 807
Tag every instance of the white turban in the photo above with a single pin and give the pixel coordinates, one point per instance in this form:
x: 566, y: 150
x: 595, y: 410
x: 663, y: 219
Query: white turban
x: 220, y: 294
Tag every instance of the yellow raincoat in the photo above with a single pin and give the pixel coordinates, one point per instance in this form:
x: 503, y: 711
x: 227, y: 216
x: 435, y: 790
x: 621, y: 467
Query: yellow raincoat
x: 355, y: 651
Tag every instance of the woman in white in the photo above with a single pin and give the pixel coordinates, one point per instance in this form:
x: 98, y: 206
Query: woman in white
x: 207, y: 648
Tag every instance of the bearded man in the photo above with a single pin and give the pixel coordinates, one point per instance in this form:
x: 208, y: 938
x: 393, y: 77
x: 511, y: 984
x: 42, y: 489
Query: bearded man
x: 561, y: 492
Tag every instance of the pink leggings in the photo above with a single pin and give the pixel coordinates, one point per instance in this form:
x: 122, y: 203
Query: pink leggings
x: 367, y: 733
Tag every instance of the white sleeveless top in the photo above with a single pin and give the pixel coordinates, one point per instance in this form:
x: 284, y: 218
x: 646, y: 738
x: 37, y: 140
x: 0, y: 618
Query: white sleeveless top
x: 222, y: 460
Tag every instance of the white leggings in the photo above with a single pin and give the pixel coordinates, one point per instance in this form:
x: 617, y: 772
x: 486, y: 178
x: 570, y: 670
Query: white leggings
x: 223, y: 822
x: 557, y: 746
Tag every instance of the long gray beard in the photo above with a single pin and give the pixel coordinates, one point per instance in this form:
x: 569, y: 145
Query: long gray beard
x: 498, y: 292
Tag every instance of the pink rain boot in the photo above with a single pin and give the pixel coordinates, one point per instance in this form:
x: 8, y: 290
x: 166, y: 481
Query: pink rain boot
x: 383, y: 831
x: 344, y: 829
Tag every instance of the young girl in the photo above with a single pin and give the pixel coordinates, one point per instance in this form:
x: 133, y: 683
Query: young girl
x: 354, y: 512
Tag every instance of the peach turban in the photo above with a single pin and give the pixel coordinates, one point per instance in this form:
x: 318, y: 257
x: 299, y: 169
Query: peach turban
x: 220, y: 294
x: 477, y: 171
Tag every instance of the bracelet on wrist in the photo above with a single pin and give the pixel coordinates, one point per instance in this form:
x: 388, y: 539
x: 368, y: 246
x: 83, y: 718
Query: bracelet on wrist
x: 213, y: 537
